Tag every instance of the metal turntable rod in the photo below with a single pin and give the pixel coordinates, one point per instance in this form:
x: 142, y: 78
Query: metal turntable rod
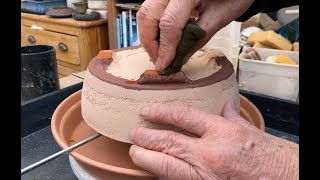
x: 54, y: 156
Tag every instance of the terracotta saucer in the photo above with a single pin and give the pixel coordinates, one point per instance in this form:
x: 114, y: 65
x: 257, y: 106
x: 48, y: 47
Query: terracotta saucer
x: 107, y: 158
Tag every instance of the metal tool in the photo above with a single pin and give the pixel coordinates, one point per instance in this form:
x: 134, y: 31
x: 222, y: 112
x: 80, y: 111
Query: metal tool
x: 54, y: 156
x: 77, y: 75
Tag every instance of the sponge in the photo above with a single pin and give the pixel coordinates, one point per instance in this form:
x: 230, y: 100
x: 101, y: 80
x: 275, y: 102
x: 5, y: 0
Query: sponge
x: 295, y: 47
x: 190, y: 35
x: 284, y: 59
x: 260, y: 45
x: 271, y: 39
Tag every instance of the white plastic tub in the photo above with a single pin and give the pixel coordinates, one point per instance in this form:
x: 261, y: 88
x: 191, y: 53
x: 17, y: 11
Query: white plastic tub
x: 272, y: 79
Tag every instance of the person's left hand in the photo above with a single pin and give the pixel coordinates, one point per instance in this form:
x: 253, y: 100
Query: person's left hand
x: 222, y: 147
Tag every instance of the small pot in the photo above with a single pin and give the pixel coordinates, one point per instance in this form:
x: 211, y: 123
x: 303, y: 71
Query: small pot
x: 81, y: 7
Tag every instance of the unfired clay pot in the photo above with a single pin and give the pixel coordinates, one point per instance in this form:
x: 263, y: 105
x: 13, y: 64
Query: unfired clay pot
x: 112, y: 99
x: 106, y: 158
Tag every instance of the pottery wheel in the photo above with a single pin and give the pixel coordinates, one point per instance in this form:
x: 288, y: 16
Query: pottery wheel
x: 79, y: 171
x: 105, y: 157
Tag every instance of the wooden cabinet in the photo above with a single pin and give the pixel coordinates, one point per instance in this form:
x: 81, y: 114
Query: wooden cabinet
x: 75, y: 42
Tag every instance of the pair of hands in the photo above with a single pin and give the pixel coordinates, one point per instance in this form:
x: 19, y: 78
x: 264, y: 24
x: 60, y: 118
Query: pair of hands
x: 170, y: 16
x: 225, y: 147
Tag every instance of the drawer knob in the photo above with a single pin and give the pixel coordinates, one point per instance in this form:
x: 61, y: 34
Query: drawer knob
x: 63, y: 47
x: 31, y: 39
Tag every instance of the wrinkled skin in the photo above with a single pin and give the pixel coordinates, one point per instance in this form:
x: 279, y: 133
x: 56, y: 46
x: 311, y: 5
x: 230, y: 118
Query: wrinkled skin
x: 225, y: 147
x: 170, y: 16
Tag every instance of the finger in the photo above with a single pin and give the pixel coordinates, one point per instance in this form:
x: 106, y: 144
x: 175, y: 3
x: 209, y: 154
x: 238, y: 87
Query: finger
x: 215, y: 13
x: 162, y: 165
x: 148, y: 22
x: 171, y: 25
x: 185, y: 117
x: 194, y: 14
x: 230, y: 113
x: 168, y: 142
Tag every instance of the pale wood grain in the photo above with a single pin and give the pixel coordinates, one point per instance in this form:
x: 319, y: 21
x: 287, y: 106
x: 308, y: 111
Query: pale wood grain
x: 64, y: 71
x: 63, y: 21
x: 53, y: 39
x: 71, y: 80
x: 112, y: 17
x: 83, y: 39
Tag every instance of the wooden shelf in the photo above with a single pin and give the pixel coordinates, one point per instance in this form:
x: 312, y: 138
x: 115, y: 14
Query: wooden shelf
x: 63, y: 21
x: 132, y: 6
x: 114, y: 7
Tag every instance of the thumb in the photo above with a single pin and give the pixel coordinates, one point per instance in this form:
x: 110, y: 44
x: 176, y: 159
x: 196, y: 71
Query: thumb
x: 171, y: 24
x: 162, y: 165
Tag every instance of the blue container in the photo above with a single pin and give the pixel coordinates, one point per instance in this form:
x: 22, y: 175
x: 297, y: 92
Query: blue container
x: 290, y: 31
x: 41, y: 7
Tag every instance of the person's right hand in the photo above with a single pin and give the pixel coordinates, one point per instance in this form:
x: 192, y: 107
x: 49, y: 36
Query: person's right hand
x: 170, y: 16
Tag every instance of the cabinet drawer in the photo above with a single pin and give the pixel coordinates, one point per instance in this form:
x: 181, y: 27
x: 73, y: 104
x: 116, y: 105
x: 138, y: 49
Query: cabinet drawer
x: 66, y: 46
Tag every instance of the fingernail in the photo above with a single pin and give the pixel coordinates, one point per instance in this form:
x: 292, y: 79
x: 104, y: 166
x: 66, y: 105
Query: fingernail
x: 145, y: 111
x: 131, y: 133
x: 131, y: 150
x: 157, y: 65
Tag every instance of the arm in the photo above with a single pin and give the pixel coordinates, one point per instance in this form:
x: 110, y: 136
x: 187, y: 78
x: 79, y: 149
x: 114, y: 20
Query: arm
x: 265, y: 6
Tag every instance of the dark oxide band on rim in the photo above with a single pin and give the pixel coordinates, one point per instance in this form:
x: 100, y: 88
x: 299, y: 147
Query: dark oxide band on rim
x: 98, y: 69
